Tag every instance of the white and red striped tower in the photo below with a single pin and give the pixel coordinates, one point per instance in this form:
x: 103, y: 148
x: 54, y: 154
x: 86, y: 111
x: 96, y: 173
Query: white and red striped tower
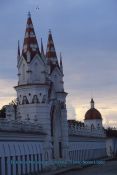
x: 32, y: 88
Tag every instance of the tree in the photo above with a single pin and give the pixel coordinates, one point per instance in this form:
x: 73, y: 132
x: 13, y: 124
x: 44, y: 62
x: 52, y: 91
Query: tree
x: 3, y: 112
x: 111, y: 132
x: 3, y: 109
x: 14, y: 103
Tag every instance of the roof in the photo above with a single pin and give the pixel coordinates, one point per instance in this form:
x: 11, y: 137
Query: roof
x: 51, y: 52
x: 93, y: 114
x: 30, y: 46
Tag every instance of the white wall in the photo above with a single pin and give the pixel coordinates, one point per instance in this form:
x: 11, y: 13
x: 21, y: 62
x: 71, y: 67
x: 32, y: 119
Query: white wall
x: 20, y: 155
x: 111, y: 147
x: 87, y: 149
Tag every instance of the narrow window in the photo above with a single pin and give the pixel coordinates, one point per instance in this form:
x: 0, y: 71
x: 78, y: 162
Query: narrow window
x: 23, y: 72
x: 36, y: 72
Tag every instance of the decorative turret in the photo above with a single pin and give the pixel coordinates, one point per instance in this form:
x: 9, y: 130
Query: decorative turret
x: 30, y: 46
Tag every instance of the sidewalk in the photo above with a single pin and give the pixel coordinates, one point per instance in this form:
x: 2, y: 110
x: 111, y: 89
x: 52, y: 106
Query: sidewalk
x: 63, y: 170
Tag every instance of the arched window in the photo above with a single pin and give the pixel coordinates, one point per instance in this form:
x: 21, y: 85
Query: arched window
x: 44, y: 99
x: 25, y: 100
x: 98, y: 126
x: 35, y: 99
x: 92, y: 127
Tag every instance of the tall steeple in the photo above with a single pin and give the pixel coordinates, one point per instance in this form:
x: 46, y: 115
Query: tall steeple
x: 30, y: 46
x: 51, y: 52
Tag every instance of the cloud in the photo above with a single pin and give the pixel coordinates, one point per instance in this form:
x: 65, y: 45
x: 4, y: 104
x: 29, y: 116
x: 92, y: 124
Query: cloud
x: 6, y: 90
x: 85, y: 32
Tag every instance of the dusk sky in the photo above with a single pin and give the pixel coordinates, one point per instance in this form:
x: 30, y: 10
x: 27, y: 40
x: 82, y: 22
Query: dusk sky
x: 85, y: 31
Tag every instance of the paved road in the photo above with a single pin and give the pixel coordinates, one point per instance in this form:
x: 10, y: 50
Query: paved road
x: 109, y: 168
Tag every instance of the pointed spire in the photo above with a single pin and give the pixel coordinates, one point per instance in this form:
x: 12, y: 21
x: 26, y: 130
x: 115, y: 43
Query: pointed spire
x: 51, y: 52
x: 92, y: 103
x: 42, y: 48
x: 61, y: 63
x: 30, y: 41
x: 18, y: 51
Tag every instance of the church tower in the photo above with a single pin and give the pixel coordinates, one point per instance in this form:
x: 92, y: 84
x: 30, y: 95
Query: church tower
x: 40, y: 91
x: 58, y: 115
x: 32, y: 89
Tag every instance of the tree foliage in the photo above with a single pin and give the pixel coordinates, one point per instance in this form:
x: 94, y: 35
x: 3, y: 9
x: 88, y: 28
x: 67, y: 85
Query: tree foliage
x: 111, y: 132
x: 3, y: 112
